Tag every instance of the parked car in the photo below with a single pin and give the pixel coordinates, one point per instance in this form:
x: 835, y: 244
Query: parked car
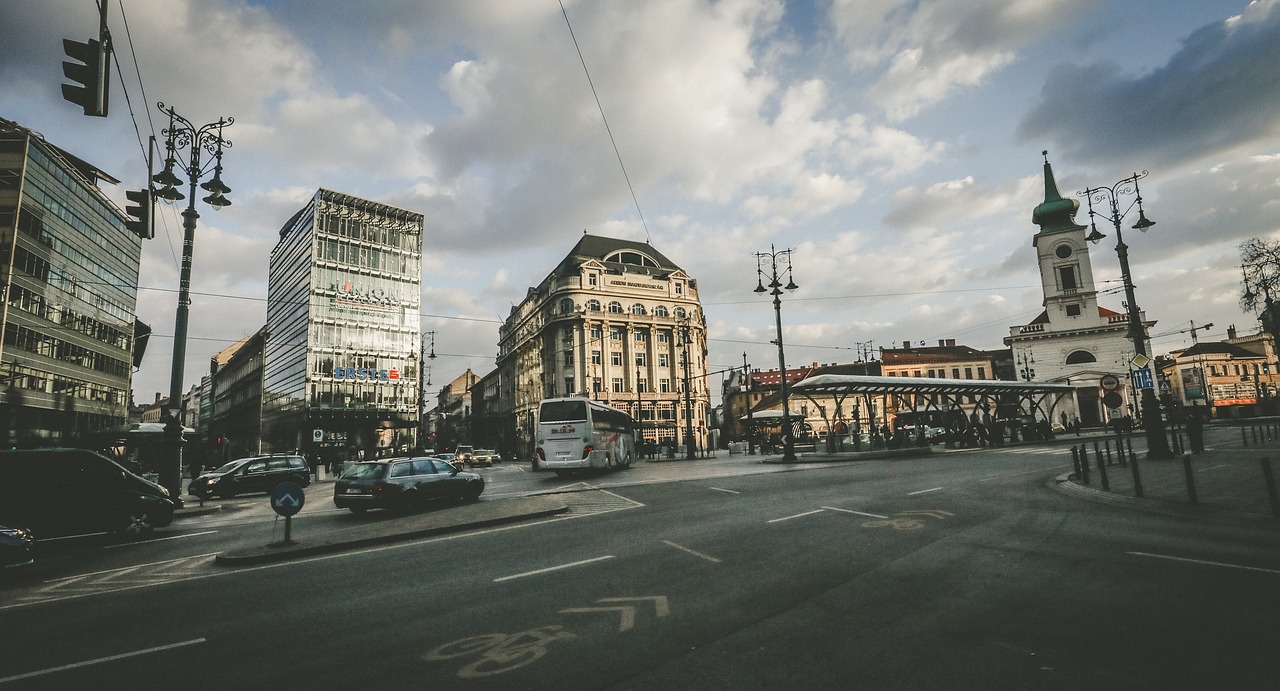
x: 403, y: 483
x: 17, y: 547
x: 253, y: 474
x: 56, y: 492
x: 483, y: 457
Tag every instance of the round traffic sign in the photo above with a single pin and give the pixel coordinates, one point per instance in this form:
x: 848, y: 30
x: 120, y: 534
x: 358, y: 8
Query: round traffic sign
x: 1112, y: 399
x: 287, y: 499
x: 1109, y: 382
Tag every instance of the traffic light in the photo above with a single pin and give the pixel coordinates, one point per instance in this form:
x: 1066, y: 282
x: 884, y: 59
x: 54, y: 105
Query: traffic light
x: 140, y: 220
x: 91, y: 71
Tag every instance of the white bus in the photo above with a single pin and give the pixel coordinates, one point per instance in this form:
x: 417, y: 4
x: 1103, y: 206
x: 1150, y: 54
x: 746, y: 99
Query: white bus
x: 579, y: 433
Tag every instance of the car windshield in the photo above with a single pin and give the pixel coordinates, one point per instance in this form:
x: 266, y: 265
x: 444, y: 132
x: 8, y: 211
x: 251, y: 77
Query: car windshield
x: 364, y: 470
x: 228, y: 467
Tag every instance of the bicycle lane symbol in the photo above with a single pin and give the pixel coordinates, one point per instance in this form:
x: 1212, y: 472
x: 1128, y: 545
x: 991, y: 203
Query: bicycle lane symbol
x: 499, y: 652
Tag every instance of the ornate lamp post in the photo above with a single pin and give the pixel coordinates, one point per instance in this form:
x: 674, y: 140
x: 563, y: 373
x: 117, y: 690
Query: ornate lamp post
x: 1152, y: 422
x: 688, y: 393
x: 775, y: 289
x: 179, y: 135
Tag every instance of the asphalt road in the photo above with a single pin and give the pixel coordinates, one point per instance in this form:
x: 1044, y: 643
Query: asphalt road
x: 958, y: 571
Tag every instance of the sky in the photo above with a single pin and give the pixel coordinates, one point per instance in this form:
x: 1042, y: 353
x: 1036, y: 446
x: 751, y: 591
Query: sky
x: 894, y: 145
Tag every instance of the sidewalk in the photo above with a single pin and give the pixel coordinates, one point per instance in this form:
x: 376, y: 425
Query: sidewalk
x: 1226, y: 480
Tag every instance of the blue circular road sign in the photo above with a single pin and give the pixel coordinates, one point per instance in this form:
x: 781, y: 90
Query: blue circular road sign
x: 287, y: 498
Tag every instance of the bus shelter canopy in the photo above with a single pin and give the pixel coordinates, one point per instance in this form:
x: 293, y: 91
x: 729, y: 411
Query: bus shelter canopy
x: 843, y: 384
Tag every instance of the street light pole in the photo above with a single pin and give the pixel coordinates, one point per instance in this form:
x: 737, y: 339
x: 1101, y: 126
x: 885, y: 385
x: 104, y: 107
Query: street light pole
x: 775, y: 289
x: 181, y: 134
x: 688, y: 394
x: 1152, y: 422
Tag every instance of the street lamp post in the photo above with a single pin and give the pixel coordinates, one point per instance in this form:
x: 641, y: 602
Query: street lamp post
x: 688, y: 394
x: 746, y: 393
x: 775, y: 289
x: 1204, y: 381
x: 179, y: 135
x: 1026, y: 360
x: 1152, y: 422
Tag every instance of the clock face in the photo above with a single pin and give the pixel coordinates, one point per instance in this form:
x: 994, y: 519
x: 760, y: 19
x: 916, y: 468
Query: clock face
x: 1063, y: 251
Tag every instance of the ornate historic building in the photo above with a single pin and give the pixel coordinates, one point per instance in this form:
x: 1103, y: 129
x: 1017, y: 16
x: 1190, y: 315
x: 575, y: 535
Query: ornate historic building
x: 618, y: 322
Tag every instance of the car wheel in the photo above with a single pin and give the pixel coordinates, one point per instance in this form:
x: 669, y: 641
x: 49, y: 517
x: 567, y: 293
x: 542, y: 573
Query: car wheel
x: 137, y: 524
x: 474, y: 494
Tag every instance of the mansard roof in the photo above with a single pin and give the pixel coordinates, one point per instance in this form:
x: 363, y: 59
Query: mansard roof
x: 597, y: 247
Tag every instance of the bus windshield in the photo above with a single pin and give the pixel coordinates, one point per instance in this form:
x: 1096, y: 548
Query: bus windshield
x: 563, y: 411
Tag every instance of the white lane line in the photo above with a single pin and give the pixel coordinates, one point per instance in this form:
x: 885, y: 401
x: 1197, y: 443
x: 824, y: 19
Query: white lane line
x: 552, y: 568
x: 1202, y: 561
x: 859, y: 513
x: 923, y: 491
x: 696, y: 554
x: 100, y: 660
x: 799, y: 515
x: 160, y: 539
x: 130, y: 568
x: 728, y: 491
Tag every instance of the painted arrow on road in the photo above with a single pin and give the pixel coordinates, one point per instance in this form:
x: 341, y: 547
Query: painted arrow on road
x: 628, y: 612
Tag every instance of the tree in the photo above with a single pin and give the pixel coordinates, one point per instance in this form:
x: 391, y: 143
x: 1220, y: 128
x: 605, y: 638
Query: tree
x: 1260, y: 268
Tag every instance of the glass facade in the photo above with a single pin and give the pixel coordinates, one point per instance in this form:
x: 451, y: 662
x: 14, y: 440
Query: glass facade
x: 343, y: 323
x: 69, y: 271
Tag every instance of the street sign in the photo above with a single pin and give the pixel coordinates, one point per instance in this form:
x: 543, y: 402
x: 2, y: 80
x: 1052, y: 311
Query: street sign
x: 287, y: 499
x: 317, y: 435
x: 1112, y: 399
x: 1142, y: 379
x: 1109, y: 382
x: 1140, y: 361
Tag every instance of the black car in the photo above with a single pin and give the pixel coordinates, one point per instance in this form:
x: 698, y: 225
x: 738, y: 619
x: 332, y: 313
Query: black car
x: 57, y: 492
x: 17, y: 547
x: 254, y: 474
x: 402, y: 483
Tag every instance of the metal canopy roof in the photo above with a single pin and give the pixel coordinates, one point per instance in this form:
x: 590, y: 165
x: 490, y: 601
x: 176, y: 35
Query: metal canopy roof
x: 831, y: 384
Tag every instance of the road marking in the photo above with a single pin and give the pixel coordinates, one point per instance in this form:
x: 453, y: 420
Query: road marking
x: 923, y: 491
x: 932, y: 513
x: 552, y: 568
x: 131, y: 568
x: 1214, y: 467
x: 628, y: 612
x: 799, y: 515
x: 100, y: 660
x: 160, y: 539
x: 696, y: 554
x: 1206, y: 563
x: 1025, y: 472
x: 859, y: 513
x: 728, y: 491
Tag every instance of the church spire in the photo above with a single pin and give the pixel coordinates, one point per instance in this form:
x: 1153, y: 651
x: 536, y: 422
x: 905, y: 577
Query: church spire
x: 1054, y: 213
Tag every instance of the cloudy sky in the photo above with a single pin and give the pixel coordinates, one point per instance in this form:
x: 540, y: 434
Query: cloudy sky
x: 894, y: 144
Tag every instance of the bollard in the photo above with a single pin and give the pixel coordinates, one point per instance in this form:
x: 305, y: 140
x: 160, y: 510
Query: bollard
x: 1244, y: 436
x: 1102, y: 473
x: 1137, y: 478
x: 1178, y: 447
x: 1271, y: 486
x: 1191, y: 481
x: 1255, y: 435
x: 1097, y: 453
x: 1120, y: 452
x: 1075, y: 462
x: 1107, y: 444
x: 1084, y: 463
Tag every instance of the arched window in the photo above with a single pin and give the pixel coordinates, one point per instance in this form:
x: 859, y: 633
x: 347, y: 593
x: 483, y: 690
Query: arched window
x: 637, y: 309
x: 634, y: 258
x: 661, y: 311
x: 566, y: 306
x: 615, y: 307
x: 680, y: 313
x: 1080, y: 357
x: 593, y: 305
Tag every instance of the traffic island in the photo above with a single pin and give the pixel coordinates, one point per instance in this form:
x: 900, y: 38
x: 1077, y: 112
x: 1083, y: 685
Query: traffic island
x: 380, y: 532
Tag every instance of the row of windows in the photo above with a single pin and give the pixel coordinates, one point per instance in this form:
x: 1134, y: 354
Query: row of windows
x: 91, y: 291
x: 614, y: 307
x: 25, y: 378
x: 33, y: 341
x: 615, y: 358
x: 36, y: 304
x: 366, y: 232
x: 366, y: 257
x: 941, y: 373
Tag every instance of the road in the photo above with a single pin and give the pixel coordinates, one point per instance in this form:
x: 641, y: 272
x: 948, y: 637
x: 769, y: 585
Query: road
x: 958, y: 571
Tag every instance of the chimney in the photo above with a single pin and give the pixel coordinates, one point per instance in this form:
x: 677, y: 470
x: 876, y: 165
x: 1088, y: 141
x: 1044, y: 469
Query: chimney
x: 1231, y: 332
x: 906, y: 345
x: 157, y: 397
x: 942, y: 343
x: 951, y: 342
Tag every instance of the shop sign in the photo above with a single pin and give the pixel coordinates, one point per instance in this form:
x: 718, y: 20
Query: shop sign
x: 365, y: 374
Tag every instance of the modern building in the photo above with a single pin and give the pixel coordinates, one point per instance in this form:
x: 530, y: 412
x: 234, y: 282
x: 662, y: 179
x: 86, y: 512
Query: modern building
x: 615, y: 321
x: 1074, y: 340
x: 341, y: 354
x: 69, y: 277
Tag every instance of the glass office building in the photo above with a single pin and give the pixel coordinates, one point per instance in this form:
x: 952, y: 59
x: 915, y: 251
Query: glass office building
x: 340, y: 373
x: 69, y: 276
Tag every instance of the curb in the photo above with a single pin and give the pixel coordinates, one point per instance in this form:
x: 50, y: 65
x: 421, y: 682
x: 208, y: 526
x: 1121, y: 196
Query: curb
x: 1065, y: 484
x: 422, y: 525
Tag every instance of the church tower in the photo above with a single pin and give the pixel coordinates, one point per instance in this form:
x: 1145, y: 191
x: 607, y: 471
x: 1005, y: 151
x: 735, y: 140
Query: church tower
x: 1074, y: 340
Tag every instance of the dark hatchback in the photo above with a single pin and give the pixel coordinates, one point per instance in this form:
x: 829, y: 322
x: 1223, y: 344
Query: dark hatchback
x: 403, y: 483
x: 17, y: 547
x: 254, y: 474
